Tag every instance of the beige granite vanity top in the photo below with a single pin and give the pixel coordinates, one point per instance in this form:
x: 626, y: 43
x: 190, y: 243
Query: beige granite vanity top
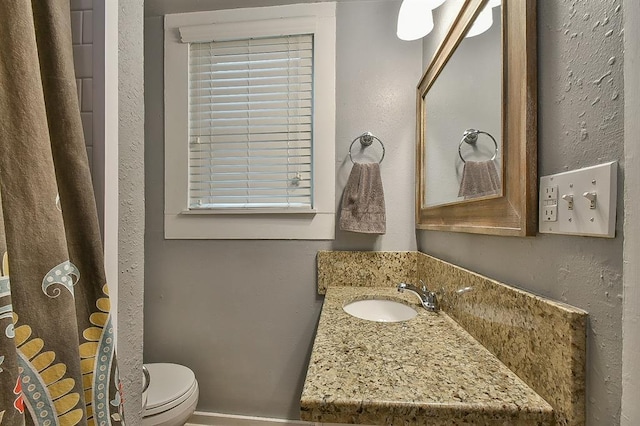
x: 425, y: 371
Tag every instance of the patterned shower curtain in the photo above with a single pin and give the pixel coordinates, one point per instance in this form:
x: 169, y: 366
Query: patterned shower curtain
x: 57, y: 363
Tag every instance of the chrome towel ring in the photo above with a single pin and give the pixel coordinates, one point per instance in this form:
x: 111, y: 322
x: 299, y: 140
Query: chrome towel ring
x: 366, y: 139
x: 470, y: 136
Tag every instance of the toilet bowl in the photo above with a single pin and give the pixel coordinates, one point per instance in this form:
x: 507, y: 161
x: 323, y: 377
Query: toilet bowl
x: 171, y: 395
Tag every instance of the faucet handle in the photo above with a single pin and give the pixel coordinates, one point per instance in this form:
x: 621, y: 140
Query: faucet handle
x: 432, y: 301
x: 423, y: 286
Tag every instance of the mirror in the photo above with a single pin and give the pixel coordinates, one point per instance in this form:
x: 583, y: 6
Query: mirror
x: 454, y: 150
x: 477, y: 101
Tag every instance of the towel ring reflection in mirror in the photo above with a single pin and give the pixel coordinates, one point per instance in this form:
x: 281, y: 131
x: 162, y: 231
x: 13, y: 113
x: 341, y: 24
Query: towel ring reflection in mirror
x: 366, y: 139
x: 470, y: 136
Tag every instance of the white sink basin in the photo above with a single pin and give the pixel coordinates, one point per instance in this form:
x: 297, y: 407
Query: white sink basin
x: 380, y: 310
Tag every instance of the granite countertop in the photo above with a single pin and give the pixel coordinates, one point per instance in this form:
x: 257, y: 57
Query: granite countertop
x: 424, y: 371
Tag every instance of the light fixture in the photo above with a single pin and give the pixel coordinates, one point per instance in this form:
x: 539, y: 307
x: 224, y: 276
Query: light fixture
x: 415, y: 19
x: 484, y: 20
x: 482, y: 23
x: 437, y: 3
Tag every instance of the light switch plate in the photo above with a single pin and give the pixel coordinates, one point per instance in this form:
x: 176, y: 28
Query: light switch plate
x: 579, y: 218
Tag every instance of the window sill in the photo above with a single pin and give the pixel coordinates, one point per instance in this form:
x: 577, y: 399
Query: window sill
x: 256, y: 226
x: 249, y: 211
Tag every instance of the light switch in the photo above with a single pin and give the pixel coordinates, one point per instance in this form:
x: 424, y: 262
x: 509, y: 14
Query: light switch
x: 587, y: 201
x: 569, y: 199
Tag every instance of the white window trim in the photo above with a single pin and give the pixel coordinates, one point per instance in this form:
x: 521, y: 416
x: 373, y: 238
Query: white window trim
x: 179, y: 222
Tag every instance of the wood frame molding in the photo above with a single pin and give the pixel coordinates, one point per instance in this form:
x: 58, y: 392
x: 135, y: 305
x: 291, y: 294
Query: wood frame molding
x: 514, y: 213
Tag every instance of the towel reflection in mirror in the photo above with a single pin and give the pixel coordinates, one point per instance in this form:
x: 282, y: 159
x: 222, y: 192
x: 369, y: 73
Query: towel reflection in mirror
x: 479, y: 178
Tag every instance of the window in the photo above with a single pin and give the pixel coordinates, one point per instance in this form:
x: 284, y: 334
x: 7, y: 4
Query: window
x: 250, y: 123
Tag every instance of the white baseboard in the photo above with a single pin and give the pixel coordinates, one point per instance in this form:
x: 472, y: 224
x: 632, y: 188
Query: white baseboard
x: 202, y: 418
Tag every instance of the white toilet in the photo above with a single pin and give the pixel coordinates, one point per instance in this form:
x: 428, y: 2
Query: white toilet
x: 171, y: 395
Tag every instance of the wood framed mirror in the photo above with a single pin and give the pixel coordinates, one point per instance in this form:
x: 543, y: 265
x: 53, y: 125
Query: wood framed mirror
x: 512, y: 209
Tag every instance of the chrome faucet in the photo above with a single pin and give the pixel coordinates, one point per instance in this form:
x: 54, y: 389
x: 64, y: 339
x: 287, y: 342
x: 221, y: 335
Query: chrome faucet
x: 428, y: 298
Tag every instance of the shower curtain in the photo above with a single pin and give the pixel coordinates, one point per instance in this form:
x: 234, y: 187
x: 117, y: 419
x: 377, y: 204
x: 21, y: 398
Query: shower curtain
x: 57, y: 363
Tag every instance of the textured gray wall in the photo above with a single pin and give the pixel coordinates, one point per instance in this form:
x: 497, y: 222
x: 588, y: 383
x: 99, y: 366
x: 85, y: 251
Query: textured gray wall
x: 242, y: 314
x: 131, y: 209
x: 580, y: 111
x: 631, y: 313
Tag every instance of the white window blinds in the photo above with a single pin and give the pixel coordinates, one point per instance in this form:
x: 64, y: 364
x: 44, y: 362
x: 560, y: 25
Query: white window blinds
x: 250, y: 123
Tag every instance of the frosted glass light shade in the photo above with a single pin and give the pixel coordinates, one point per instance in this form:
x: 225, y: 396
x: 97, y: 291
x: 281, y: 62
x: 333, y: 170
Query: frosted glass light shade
x: 482, y: 23
x: 436, y: 3
x: 415, y: 19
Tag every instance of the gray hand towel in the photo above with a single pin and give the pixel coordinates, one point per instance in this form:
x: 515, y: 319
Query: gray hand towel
x: 479, y: 179
x: 362, y: 208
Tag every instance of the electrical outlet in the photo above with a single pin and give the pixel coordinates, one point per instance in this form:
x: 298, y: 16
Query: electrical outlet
x: 550, y: 193
x: 550, y: 213
x: 549, y: 203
